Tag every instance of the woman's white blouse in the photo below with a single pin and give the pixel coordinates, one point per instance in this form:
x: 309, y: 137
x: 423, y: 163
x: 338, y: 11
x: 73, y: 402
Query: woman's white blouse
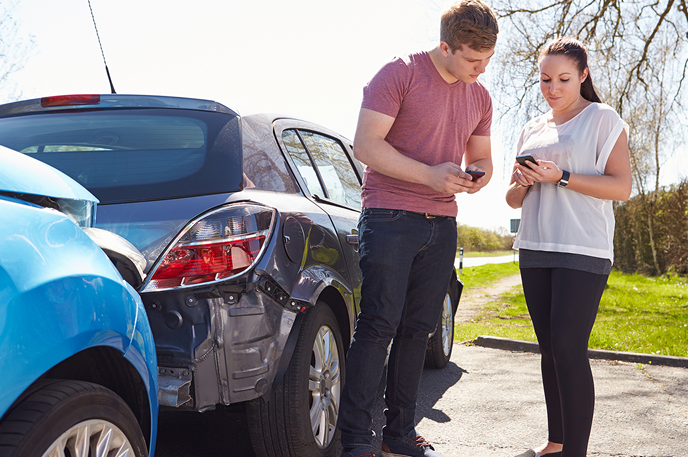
x: 560, y: 219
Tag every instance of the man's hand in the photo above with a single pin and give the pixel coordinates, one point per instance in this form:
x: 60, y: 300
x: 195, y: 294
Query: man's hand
x: 449, y: 178
x: 371, y: 148
x: 478, y: 156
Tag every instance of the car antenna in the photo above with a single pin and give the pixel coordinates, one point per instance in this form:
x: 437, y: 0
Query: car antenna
x: 112, y: 88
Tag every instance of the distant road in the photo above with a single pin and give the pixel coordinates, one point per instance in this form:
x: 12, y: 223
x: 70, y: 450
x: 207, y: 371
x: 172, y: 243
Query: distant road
x: 477, y: 261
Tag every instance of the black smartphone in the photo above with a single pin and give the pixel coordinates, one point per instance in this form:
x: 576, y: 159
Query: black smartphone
x: 475, y: 174
x: 523, y: 158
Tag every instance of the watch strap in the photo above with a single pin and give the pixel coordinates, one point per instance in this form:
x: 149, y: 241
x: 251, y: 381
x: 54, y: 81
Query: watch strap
x: 564, y: 181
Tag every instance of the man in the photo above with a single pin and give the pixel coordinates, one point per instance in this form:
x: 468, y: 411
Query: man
x: 421, y: 116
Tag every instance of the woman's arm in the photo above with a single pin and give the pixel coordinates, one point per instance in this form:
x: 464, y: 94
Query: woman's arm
x: 614, y: 184
x: 518, y: 188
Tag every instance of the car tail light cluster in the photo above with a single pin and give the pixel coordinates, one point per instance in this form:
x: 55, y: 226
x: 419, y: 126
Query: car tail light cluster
x: 219, y: 245
x: 70, y: 100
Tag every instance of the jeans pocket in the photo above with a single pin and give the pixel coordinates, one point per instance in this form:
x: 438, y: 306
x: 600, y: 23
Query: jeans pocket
x: 381, y: 215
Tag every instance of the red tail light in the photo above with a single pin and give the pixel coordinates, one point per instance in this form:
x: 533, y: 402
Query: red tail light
x: 67, y: 100
x: 220, y: 245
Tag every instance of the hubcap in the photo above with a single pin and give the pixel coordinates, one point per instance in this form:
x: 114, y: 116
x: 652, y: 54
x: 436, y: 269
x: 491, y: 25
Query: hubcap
x: 447, y: 325
x: 91, y: 438
x: 324, y: 385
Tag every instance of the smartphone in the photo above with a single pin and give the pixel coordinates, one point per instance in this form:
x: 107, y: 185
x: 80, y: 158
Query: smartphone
x: 522, y: 159
x: 475, y: 174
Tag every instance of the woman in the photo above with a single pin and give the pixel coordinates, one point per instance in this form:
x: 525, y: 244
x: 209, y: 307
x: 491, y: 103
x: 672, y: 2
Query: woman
x: 565, y: 239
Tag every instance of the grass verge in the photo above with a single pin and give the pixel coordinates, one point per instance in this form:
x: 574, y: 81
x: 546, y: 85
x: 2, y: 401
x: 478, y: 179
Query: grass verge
x: 484, y: 275
x: 637, y: 313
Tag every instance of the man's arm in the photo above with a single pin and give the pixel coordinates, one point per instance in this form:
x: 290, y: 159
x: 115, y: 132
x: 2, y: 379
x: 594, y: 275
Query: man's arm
x: 479, y: 155
x: 371, y: 148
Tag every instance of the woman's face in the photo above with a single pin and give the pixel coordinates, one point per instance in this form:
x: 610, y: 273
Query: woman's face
x: 560, y: 81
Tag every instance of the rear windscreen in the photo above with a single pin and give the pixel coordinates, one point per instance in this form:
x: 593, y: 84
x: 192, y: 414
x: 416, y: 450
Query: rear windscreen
x: 134, y: 155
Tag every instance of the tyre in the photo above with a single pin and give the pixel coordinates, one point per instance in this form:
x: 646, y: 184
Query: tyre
x: 441, y: 342
x: 300, y: 420
x: 73, y: 418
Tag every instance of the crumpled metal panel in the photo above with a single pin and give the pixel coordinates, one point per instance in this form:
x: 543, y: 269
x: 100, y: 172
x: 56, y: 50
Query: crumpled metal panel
x: 255, y: 331
x: 174, y: 386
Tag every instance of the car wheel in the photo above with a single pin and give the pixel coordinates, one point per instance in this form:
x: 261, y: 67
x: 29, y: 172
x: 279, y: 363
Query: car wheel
x: 301, y: 417
x: 441, y: 343
x: 74, y: 418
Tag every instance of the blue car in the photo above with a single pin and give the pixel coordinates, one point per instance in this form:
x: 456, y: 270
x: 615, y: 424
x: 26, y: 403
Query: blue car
x: 77, y: 357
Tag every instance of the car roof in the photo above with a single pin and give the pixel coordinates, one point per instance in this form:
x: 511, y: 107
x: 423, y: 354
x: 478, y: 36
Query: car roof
x: 86, y: 101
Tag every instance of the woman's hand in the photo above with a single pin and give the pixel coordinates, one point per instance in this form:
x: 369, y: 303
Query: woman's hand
x: 544, y: 171
x: 518, y: 187
x: 524, y: 176
x: 520, y: 178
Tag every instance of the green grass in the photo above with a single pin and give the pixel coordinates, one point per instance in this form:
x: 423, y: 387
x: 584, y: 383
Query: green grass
x: 484, y: 275
x: 637, y: 313
x: 643, y: 314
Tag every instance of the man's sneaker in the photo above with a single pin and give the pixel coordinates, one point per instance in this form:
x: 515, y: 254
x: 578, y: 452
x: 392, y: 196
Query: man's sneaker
x: 413, y: 445
x: 359, y: 452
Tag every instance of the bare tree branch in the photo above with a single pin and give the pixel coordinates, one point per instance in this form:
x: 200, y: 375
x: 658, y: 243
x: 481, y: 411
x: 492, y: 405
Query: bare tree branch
x: 642, y: 62
x: 14, y: 50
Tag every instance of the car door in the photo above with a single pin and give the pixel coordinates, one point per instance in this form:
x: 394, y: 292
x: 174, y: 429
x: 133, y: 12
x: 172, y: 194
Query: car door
x: 328, y: 174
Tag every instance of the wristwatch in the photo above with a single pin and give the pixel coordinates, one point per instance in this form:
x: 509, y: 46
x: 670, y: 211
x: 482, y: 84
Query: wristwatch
x: 564, y: 181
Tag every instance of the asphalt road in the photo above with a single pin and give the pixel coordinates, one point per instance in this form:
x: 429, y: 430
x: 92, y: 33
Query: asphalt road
x: 489, y: 403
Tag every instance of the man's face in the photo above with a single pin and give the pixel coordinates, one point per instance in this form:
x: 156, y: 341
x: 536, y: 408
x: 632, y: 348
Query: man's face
x: 466, y: 64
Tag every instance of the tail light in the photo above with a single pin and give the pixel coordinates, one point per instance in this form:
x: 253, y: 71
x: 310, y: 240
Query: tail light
x: 220, y: 245
x: 69, y: 100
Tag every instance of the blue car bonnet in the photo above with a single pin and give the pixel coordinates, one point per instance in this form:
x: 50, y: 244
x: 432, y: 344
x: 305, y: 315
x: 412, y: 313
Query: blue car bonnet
x: 25, y: 175
x: 22, y: 174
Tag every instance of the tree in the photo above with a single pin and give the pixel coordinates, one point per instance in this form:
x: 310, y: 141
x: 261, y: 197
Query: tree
x: 624, y: 39
x: 14, y: 49
x: 638, y: 59
x: 653, y: 121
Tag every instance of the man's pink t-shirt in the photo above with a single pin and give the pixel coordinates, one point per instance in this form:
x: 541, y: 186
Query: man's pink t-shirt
x: 433, y: 122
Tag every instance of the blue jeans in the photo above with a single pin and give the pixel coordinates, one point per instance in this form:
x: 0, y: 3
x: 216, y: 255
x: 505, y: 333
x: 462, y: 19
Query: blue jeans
x: 406, y: 261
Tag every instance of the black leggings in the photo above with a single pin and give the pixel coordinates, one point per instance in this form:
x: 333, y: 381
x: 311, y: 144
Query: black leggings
x: 563, y: 305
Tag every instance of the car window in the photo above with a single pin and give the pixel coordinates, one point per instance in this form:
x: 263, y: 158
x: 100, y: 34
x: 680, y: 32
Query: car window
x: 335, y: 168
x: 265, y: 167
x: 303, y: 163
x: 327, y: 156
x: 134, y: 155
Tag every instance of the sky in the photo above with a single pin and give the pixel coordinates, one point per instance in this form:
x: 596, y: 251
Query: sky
x: 304, y: 58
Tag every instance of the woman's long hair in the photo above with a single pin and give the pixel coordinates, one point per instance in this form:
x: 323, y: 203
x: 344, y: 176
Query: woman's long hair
x: 576, y: 51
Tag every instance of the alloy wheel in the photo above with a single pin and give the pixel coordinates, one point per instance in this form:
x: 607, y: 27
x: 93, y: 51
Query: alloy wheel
x: 91, y: 438
x: 324, y: 383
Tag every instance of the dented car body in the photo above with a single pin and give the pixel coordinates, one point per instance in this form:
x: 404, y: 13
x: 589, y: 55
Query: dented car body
x: 248, y: 227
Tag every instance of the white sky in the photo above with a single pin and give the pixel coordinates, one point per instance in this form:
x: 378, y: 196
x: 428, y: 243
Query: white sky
x: 305, y: 58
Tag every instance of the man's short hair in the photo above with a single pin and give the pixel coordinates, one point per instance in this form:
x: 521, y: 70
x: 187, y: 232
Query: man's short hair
x: 469, y: 22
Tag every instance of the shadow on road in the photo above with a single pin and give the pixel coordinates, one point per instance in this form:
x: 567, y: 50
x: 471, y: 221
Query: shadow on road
x: 223, y: 432
x: 219, y: 433
x: 433, y: 385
